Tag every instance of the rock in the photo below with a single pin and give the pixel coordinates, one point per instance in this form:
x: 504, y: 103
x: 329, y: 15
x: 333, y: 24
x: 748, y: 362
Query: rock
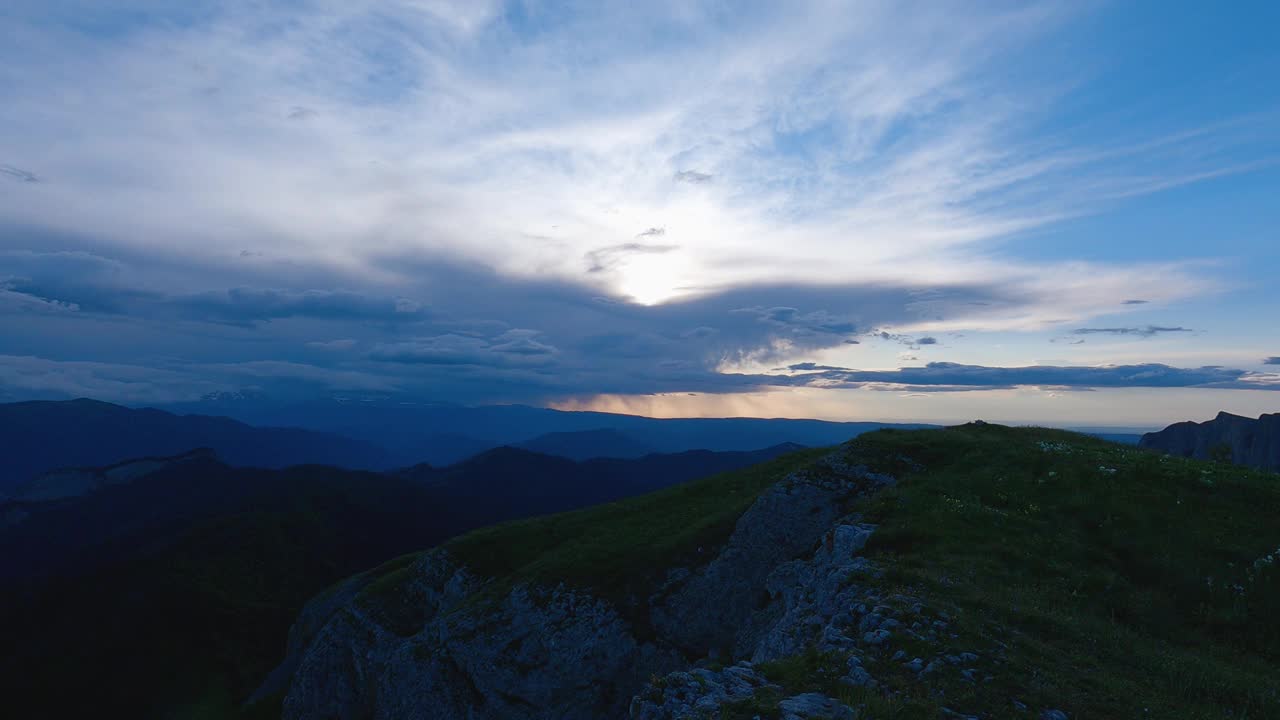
x: 876, y: 637
x: 697, y: 694
x: 532, y: 653
x: 718, y: 605
x: 815, y: 706
x: 857, y: 676
x: 426, y: 646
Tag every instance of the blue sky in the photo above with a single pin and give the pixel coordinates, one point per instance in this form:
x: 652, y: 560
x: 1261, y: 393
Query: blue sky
x: 1050, y: 212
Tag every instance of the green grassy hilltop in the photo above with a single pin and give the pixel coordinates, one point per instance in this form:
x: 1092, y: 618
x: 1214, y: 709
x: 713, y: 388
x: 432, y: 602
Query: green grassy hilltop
x: 1098, y: 578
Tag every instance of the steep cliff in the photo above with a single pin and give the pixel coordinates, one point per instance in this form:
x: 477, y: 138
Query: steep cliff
x: 1252, y: 443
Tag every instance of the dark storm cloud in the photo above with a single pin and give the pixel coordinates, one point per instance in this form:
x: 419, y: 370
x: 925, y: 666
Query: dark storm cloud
x: 606, y: 258
x: 468, y: 334
x: 1148, y: 331
x: 247, y: 306
x: 927, y: 341
x: 1273, y: 360
x: 511, y: 348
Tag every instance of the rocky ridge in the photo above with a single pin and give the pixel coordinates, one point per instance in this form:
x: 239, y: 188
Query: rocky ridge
x: 1252, y: 443
x: 432, y: 639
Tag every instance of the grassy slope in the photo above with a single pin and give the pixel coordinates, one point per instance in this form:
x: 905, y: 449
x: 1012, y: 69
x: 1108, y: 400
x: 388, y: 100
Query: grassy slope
x: 1118, y: 583
x: 619, y: 550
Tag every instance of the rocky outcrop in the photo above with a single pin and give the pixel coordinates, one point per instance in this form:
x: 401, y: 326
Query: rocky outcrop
x: 437, y: 650
x: 435, y: 641
x: 1253, y: 443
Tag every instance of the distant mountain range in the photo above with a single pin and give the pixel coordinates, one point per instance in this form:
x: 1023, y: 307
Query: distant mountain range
x: 586, y: 444
x: 36, y: 437
x: 116, y: 573
x: 40, y: 436
x: 1253, y: 443
x: 442, y: 434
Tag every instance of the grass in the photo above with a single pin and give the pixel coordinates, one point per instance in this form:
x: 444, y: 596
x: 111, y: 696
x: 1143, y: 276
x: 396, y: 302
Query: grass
x: 610, y: 548
x: 619, y: 551
x: 1090, y: 577
x: 1125, y: 584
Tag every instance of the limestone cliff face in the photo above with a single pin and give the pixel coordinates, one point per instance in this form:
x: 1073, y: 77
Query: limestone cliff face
x: 443, y: 643
x: 1254, y: 443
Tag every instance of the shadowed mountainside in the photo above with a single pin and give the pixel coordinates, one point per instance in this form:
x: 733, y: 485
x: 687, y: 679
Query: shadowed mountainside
x: 1252, y: 443
x: 170, y: 592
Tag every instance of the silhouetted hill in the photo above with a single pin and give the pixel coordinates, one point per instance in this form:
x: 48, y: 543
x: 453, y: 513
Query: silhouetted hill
x: 170, y: 594
x: 1253, y: 443
x: 586, y: 444
x: 40, y: 436
x: 507, y: 483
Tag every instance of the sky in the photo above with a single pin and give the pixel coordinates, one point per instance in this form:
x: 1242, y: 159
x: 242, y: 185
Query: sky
x: 1057, y: 212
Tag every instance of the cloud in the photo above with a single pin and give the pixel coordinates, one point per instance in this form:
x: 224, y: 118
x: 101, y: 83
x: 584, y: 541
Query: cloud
x: 610, y: 257
x: 249, y: 306
x: 342, y: 344
x: 1273, y: 360
x: 426, y: 142
x: 444, y: 204
x: 14, y: 301
x: 18, y: 174
x: 796, y: 323
x: 693, y: 177
x: 1148, y: 331
x: 511, y: 348
x: 700, y: 332
x: 946, y: 375
x: 1135, y: 302
x: 912, y: 342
